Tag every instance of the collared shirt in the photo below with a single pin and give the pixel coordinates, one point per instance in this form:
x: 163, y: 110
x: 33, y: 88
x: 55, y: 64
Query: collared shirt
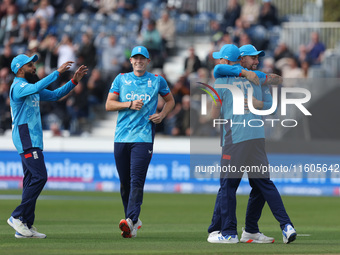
x: 25, y: 109
x: 135, y: 126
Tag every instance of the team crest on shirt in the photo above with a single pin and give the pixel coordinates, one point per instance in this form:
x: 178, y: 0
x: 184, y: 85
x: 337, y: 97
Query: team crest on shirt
x: 149, y: 83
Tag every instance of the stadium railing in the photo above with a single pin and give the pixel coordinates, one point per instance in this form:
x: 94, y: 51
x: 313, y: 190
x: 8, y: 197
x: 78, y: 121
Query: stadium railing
x: 296, y: 33
x: 284, y: 8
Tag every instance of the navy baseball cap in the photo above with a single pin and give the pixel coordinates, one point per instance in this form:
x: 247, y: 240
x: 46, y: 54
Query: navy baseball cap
x: 250, y: 50
x: 21, y: 60
x: 140, y: 50
x: 229, y: 52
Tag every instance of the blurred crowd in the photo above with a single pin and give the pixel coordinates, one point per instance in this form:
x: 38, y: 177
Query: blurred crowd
x: 33, y: 27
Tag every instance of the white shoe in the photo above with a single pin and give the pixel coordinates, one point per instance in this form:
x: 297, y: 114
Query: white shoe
x: 136, y: 226
x: 126, y: 226
x: 19, y: 227
x: 218, y: 238
x: 255, y: 238
x: 289, y: 234
x: 213, y: 234
x: 35, y: 233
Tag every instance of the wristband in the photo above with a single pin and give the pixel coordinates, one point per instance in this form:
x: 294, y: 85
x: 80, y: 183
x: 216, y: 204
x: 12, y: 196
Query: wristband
x: 130, y: 104
x: 75, y: 83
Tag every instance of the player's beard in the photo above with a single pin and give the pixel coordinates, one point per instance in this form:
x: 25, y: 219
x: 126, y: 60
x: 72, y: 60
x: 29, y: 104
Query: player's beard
x: 31, y: 77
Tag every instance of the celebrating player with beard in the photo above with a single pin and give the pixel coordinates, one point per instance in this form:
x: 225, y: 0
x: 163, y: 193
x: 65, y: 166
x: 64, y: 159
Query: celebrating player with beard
x: 25, y: 95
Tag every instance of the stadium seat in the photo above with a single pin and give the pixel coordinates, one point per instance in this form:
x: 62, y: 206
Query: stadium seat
x: 201, y: 23
x: 65, y: 17
x: 133, y: 17
x: 182, y: 24
x: 115, y: 18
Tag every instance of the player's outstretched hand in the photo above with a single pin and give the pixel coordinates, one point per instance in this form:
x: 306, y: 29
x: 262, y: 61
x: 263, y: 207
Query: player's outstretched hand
x: 79, y: 74
x: 64, y: 67
x: 156, y: 118
x: 137, y: 105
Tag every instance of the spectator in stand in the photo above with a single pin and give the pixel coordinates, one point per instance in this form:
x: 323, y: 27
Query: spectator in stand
x: 315, y: 49
x: 180, y: 89
x: 192, y: 63
x: 290, y: 70
x: 244, y: 39
x: 16, y: 34
x: 226, y: 39
x: 87, y: 52
x: 6, y: 21
x: 182, y: 124
x: 305, y: 68
x: 45, y: 11
x: 250, y: 12
x: 231, y: 14
x: 112, y: 56
x: 6, y: 58
x: 144, y: 21
x: 4, y: 7
x: 189, y: 7
x: 268, y: 65
x: 5, y: 112
x: 167, y: 29
x: 216, y: 31
x: 31, y: 6
x: 31, y: 29
x: 6, y: 75
x: 49, y: 53
x: 210, y: 62
x: 44, y: 29
x: 97, y: 89
x: 73, y: 6
x: 238, y: 31
x: 127, y: 6
x: 282, y: 51
x: 268, y: 15
x: 107, y: 6
x: 66, y: 50
x: 77, y: 108
x: 152, y: 40
x: 32, y: 49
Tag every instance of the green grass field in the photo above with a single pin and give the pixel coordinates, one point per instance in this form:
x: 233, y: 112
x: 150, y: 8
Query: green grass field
x: 87, y: 223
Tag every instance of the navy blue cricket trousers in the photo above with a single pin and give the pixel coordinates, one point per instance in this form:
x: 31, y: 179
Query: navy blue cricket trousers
x: 132, y: 161
x: 247, y: 153
x: 35, y: 178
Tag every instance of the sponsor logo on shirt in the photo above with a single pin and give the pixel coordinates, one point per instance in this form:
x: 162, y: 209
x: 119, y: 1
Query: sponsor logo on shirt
x: 133, y: 96
x: 35, y: 103
x: 23, y: 84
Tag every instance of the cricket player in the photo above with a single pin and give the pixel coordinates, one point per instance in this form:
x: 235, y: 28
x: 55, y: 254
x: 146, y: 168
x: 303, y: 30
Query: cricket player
x: 244, y: 146
x: 25, y: 94
x: 135, y: 96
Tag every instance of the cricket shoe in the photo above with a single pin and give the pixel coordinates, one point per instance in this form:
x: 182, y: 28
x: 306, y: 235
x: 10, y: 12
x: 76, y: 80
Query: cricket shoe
x: 136, y: 226
x: 19, y: 227
x: 126, y: 226
x: 289, y: 234
x: 255, y: 238
x: 219, y: 238
x: 127, y: 230
x: 35, y: 233
x: 212, y: 234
